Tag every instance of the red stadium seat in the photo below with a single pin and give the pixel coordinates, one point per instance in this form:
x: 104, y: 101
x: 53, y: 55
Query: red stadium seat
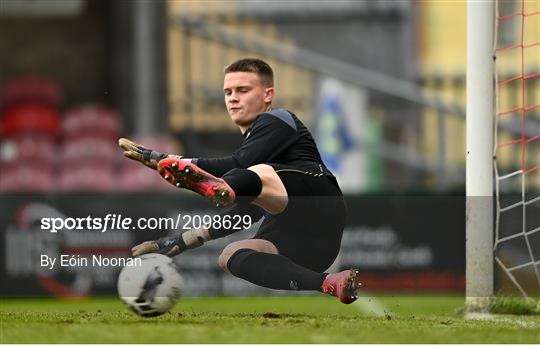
x: 35, y: 89
x: 89, y: 153
x: 27, y: 177
x: 24, y: 118
x: 89, y: 147
x: 91, y: 120
x: 14, y: 150
x: 87, y: 176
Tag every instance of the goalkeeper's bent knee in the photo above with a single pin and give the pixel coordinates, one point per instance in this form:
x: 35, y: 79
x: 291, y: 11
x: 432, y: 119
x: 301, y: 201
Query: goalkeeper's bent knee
x: 245, y: 183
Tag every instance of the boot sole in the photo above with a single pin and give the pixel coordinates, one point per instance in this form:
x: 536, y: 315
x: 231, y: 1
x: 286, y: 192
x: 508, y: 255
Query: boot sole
x: 188, y: 176
x: 351, y: 289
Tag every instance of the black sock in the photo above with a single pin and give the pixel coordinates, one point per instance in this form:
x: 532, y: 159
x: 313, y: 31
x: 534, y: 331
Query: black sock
x: 273, y: 271
x: 245, y: 184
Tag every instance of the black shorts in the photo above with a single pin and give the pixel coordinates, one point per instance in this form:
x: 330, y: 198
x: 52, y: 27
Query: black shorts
x: 309, y: 230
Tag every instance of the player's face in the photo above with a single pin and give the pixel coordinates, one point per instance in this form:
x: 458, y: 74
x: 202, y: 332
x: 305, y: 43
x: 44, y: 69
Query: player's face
x: 245, y: 97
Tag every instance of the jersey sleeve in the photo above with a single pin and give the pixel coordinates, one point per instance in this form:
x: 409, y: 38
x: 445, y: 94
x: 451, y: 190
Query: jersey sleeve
x: 269, y: 137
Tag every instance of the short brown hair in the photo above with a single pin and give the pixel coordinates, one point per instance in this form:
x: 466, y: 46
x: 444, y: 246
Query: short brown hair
x: 258, y: 66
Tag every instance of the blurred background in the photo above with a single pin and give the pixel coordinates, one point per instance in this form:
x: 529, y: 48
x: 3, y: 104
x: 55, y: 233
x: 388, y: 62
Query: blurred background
x: 381, y: 85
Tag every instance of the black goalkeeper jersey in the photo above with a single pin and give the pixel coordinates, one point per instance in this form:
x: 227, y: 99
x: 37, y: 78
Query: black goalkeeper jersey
x: 275, y: 137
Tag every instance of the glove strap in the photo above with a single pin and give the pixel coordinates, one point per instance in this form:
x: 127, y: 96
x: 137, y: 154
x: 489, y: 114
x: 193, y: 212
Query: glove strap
x: 149, y: 155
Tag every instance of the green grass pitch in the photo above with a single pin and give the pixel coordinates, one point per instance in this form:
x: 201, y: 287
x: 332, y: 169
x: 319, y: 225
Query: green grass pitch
x: 310, y: 319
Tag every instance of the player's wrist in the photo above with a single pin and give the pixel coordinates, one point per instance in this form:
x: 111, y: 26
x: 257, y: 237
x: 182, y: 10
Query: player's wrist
x: 195, y: 237
x: 152, y: 155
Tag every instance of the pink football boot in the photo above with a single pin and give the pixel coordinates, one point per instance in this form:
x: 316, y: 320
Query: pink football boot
x: 343, y: 285
x: 186, y: 175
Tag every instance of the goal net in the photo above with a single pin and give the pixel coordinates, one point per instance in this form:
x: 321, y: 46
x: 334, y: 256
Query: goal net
x: 517, y: 149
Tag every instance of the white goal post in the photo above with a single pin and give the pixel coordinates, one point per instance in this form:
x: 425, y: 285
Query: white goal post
x: 479, y: 172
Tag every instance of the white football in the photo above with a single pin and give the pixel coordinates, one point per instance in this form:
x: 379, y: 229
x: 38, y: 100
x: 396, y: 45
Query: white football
x: 151, y: 288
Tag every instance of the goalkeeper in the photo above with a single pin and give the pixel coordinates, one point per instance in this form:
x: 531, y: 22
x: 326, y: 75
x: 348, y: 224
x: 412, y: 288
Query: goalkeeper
x: 277, y: 173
